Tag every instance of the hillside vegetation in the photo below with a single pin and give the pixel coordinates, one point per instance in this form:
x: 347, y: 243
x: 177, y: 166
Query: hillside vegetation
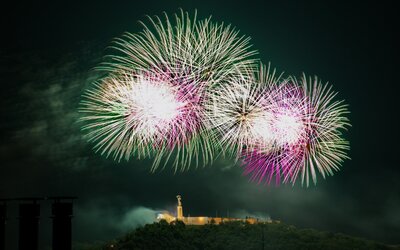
x: 234, y: 235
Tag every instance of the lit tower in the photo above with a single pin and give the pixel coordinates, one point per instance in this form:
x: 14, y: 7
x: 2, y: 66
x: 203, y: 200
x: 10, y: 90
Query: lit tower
x: 179, y: 209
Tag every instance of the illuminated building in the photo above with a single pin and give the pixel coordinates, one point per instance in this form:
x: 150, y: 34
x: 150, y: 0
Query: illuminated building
x: 202, y: 220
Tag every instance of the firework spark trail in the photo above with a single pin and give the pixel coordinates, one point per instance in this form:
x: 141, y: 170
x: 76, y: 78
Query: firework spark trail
x: 194, y: 49
x: 319, y: 146
x: 151, y: 101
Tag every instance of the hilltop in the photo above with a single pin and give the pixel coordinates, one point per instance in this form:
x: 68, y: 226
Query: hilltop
x: 234, y: 235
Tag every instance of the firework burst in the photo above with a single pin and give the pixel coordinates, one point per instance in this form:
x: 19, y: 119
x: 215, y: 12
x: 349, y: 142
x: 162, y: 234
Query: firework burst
x: 308, y: 135
x: 139, y: 114
x: 151, y: 101
x: 186, y: 90
x: 239, y: 111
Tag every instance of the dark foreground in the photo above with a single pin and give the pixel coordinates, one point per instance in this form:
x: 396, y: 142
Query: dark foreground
x: 234, y: 235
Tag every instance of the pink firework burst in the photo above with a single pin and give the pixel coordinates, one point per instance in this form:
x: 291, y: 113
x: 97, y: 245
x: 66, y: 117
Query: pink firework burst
x: 288, y: 126
x: 307, y: 130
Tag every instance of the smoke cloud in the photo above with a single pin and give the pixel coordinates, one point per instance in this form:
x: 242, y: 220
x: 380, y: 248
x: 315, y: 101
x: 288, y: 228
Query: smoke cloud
x: 97, y: 222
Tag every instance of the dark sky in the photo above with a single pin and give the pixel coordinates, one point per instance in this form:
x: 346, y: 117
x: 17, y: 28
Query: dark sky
x: 47, y: 54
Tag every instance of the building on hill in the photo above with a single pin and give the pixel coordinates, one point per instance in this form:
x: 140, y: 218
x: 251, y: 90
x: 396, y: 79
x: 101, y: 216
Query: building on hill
x: 202, y: 220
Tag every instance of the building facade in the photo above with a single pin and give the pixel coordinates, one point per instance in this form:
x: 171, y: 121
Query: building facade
x: 203, y: 220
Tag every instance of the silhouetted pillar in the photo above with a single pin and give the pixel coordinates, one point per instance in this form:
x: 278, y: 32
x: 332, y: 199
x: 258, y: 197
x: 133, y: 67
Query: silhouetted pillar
x: 28, y: 226
x: 62, y: 215
x: 3, y: 217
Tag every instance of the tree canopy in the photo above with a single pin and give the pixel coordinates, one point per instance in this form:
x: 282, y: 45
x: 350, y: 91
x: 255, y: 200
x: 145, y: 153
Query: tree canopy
x: 233, y: 235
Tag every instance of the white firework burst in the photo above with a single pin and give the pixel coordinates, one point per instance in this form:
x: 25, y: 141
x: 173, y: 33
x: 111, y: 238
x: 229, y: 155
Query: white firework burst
x: 188, y: 57
x: 239, y: 112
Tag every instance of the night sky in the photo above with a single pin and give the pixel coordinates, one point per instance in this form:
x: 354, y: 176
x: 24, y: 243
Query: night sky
x: 47, y: 54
